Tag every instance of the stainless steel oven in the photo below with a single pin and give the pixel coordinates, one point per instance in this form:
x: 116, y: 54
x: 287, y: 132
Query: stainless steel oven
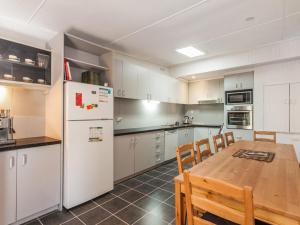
x: 239, y: 97
x: 239, y: 117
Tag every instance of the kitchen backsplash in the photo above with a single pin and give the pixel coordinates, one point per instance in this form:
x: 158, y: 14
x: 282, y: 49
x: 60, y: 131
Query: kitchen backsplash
x: 28, y: 109
x: 141, y: 113
x: 206, y: 114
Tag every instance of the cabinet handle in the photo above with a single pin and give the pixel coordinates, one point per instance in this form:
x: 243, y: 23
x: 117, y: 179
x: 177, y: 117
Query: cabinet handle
x: 123, y: 93
x: 24, y: 161
x: 11, y: 162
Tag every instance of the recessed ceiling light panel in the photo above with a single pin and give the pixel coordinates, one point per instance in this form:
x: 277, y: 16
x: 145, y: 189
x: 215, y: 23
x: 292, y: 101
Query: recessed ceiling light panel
x: 190, y: 51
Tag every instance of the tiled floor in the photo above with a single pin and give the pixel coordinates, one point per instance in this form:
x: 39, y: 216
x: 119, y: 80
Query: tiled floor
x: 147, y: 199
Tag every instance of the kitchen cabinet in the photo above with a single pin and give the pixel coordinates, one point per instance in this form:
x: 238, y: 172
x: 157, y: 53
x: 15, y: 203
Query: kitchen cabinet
x: 125, y: 79
x: 239, y: 81
x: 185, y: 136
x: 203, y: 133
x: 295, y: 108
x: 276, y: 107
x: 38, y: 179
x: 240, y: 134
x: 123, y: 156
x: 8, y: 187
x: 293, y: 139
x: 134, y: 153
x: 29, y: 182
x: 171, y: 143
x: 206, y: 90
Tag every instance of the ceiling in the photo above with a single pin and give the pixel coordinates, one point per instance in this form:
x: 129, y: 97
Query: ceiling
x: 152, y: 30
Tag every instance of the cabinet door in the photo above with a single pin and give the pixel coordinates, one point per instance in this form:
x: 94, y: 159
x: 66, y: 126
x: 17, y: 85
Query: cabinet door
x: 221, y: 91
x: 157, y: 84
x: 195, y: 92
x: 200, y: 133
x: 295, y: 108
x: 182, y: 136
x: 212, y: 89
x: 143, y: 83
x: 211, y: 133
x: 38, y: 179
x: 130, y: 80
x: 144, y: 152
x: 246, y: 81
x: 190, y: 135
x: 182, y: 92
x: 8, y: 186
x: 276, y: 108
x: 123, y: 156
x: 293, y: 139
x: 117, y: 77
x: 231, y: 82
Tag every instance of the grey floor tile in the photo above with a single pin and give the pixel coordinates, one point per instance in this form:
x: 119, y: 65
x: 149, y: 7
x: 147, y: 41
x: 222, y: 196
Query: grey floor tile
x: 145, y: 188
x: 104, y: 198
x: 168, y: 187
x: 131, y: 195
x: 115, y: 205
x: 147, y: 203
x: 156, y: 182
x: 119, y: 189
x: 74, y: 221
x: 153, y: 173
x: 32, y: 222
x: 165, y: 212
x: 130, y: 214
x: 144, y: 177
x: 131, y: 183
x: 160, y: 195
x: 57, y: 217
x: 83, y: 207
x: 171, y: 201
x: 166, y: 177
x: 112, y: 221
x: 94, y: 216
x: 150, y: 219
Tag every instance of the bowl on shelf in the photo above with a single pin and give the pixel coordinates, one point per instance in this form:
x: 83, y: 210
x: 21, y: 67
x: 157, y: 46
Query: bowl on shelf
x: 29, y: 62
x: 27, y: 79
x: 8, y: 77
x: 13, y: 58
x: 40, y: 81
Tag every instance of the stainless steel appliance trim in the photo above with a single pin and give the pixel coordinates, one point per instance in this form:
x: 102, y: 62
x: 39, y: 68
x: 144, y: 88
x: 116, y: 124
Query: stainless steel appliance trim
x: 250, y: 127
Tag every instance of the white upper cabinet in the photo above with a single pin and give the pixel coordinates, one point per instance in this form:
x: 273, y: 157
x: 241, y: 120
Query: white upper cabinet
x: 295, y: 108
x: 239, y: 81
x: 125, y: 79
x: 276, y: 107
x: 206, y: 90
x: 135, y: 81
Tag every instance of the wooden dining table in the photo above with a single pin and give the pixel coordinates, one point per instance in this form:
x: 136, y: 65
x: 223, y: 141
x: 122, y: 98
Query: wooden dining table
x: 276, y: 184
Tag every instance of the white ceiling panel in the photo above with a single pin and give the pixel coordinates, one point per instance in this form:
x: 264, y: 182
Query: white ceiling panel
x: 106, y: 19
x: 18, y: 9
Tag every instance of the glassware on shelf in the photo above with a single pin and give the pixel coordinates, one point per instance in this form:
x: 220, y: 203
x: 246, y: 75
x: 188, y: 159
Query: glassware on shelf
x: 8, y: 77
x: 42, y: 60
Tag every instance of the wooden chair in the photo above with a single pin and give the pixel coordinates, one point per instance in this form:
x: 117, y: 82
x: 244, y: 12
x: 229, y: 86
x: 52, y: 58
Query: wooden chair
x: 219, y: 142
x: 265, y: 133
x: 196, y: 197
x: 185, y: 155
x: 229, y: 138
x: 204, y: 153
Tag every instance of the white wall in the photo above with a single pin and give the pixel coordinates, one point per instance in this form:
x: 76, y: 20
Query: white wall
x: 139, y: 113
x: 271, y: 74
x: 206, y: 114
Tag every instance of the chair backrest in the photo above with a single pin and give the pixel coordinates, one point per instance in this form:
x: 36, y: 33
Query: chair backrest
x: 219, y: 142
x: 203, y: 152
x: 196, y: 193
x: 229, y: 138
x: 185, y: 155
x: 271, y: 134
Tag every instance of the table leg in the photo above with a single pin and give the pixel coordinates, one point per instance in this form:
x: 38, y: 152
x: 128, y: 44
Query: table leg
x: 178, y: 204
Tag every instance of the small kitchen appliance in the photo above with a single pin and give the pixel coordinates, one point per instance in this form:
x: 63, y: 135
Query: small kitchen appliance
x: 6, y: 128
x: 239, y: 97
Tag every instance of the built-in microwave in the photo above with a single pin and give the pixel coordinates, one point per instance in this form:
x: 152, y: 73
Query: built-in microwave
x: 239, y: 97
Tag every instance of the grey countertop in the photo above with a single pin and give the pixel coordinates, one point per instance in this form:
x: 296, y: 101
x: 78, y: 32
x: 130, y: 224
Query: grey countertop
x: 120, y: 132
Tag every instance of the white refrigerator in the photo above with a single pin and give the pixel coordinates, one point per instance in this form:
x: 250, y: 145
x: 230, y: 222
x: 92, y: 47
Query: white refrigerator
x: 88, y: 142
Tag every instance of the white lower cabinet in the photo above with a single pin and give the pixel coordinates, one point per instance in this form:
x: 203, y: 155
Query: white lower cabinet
x: 137, y: 152
x: 8, y: 187
x: 203, y: 133
x: 29, y: 182
x: 123, y: 156
x: 185, y: 136
x: 293, y: 139
x: 38, y: 179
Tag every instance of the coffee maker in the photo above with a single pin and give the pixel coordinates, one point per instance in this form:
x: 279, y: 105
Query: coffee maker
x: 6, y: 128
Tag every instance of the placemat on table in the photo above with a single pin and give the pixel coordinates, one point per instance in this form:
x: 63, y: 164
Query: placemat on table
x: 255, y: 155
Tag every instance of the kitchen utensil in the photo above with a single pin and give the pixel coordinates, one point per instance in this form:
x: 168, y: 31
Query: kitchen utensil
x: 42, y: 60
x: 186, y: 120
x: 41, y: 81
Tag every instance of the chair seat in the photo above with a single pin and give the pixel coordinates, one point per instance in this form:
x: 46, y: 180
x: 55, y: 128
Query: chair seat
x: 220, y: 221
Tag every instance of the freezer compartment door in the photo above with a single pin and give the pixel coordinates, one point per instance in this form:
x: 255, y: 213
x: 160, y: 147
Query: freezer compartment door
x: 88, y: 160
x: 86, y: 101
